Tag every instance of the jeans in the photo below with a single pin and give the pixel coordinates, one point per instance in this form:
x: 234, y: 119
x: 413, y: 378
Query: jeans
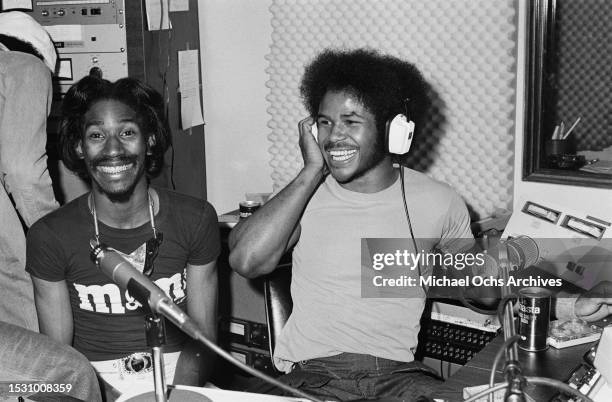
x: 350, y: 376
x: 28, y: 356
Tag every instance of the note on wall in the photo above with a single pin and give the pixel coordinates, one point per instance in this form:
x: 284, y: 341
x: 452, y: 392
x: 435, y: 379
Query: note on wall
x: 158, y: 16
x: 189, y: 87
x: 179, y: 5
x: 7, y: 5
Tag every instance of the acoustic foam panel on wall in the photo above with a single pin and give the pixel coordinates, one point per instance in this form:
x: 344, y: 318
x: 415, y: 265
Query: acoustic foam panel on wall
x: 464, y: 48
x: 584, y: 73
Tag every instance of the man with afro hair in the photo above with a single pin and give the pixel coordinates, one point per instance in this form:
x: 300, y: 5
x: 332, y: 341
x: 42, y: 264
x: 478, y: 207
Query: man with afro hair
x: 337, y: 344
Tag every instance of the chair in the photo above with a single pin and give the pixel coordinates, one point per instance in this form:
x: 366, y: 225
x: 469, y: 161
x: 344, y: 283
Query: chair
x: 278, y: 302
x: 278, y: 307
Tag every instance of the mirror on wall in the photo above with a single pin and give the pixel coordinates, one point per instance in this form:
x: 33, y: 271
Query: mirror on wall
x: 568, y: 125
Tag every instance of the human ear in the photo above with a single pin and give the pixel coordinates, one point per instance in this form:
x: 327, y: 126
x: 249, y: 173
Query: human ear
x: 79, y: 150
x: 150, y: 144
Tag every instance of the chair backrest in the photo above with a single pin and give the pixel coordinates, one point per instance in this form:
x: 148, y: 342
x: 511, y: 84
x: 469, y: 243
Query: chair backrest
x: 277, y: 294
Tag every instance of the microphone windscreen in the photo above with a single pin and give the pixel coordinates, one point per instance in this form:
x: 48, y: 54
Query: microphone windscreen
x: 522, y: 252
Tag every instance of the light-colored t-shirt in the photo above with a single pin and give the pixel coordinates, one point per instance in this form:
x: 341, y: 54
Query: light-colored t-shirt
x: 329, y: 315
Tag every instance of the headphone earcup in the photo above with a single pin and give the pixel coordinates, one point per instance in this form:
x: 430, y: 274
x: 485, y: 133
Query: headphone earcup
x: 399, y: 134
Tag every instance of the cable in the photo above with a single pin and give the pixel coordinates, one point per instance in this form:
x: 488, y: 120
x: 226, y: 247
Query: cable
x: 403, y: 188
x: 200, y: 337
x: 479, y: 310
x: 560, y: 385
x: 502, y: 305
x: 537, y: 381
x: 472, y: 307
x: 163, y: 74
x: 124, y: 274
x: 172, y: 183
x: 497, y: 359
x: 462, y: 298
x: 416, y: 250
x: 499, y: 311
x: 486, y: 392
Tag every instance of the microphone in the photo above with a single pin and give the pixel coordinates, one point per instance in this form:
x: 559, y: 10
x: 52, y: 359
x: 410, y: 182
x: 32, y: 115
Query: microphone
x: 518, y: 252
x: 123, y: 273
x: 522, y: 252
x: 515, y: 254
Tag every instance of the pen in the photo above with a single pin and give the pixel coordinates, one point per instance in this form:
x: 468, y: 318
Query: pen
x: 561, y: 130
x: 571, y: 128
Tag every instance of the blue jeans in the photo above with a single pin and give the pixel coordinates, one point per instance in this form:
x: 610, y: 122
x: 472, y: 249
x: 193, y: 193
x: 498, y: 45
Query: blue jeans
x: 32, y: 357
x: 351, y: 376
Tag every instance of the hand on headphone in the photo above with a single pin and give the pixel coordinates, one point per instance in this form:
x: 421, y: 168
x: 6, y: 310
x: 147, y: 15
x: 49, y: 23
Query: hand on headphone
x: 311, y: 153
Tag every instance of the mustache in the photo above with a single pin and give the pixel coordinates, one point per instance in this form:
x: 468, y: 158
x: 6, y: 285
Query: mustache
x: 338, y: 145
x: 124, y: 160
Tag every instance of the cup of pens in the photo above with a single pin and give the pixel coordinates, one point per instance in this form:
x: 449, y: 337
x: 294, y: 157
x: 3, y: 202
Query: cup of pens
x: 561, y: 148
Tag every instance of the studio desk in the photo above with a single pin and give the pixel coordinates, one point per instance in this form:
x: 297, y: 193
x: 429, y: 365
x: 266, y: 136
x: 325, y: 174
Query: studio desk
x: 553, y: 363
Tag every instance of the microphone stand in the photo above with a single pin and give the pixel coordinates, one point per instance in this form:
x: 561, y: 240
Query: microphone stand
x: 514, y: 379
x: 512, y: 369
x: 156, y: 338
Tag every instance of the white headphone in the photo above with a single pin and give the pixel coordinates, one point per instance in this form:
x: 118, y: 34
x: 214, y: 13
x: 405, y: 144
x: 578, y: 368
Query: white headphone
x: 399, y: 133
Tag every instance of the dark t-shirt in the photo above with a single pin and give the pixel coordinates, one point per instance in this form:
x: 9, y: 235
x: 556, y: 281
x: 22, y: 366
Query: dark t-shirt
x: 108, y: 322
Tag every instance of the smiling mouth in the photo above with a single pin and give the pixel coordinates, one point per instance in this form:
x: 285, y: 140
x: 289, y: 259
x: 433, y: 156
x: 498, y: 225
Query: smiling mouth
x: 342, y: 155
x: 114, y: 169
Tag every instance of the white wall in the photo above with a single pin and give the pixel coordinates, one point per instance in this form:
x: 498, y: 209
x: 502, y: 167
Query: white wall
x: 595, y: 201
x: 234, y: 39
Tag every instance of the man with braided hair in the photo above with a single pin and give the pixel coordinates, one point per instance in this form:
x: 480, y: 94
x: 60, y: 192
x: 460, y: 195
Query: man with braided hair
x: 115, y: 135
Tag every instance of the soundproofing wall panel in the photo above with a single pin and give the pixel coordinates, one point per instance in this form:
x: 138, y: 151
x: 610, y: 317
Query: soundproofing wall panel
x: 466, y: 50
x: 584, y: 76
